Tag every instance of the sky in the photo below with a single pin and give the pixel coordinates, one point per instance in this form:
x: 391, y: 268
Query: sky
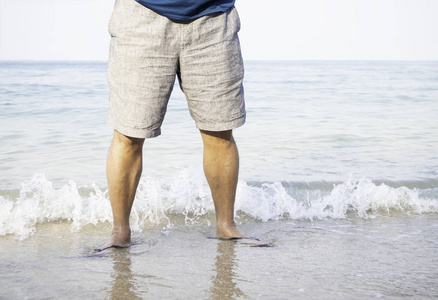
x: 282, y: 30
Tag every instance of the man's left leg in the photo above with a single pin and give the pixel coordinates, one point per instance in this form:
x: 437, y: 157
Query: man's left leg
x: 221, y: 168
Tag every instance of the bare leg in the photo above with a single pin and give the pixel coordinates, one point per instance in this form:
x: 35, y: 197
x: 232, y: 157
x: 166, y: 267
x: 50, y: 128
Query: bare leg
x: 124, y: 167
x: 221, y: 168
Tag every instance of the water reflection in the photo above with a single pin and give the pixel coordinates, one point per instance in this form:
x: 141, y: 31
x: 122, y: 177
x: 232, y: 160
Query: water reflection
x: 123, y: 284
x: 224, y: 284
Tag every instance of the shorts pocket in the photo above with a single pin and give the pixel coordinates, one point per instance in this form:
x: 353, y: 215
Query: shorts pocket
x: 236, y: 18
x: 112, y: 23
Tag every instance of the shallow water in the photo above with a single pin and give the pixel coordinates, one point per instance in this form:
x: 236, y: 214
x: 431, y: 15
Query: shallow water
x: 386, y: 257
x: 307, y: 121
x: 339, y: 170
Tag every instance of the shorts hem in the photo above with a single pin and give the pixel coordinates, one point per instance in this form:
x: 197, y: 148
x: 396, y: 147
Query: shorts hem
x: 133, y: 132
x: 221, y: 126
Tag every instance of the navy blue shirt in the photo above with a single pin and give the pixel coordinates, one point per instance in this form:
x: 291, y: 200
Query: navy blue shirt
x: 184, y: 10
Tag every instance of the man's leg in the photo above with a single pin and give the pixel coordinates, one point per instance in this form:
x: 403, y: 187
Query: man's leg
x: 124, y: 167
x: 221, y: 168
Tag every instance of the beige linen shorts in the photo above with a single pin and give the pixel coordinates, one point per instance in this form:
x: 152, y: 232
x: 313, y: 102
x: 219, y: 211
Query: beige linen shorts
x: 148, y: 51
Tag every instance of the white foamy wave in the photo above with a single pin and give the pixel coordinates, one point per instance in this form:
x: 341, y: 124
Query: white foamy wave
x: 187, y: 197
x: 360, y: 198
x: 38, y: 202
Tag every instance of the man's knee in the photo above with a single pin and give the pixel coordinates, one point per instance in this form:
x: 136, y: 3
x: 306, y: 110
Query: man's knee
x: 218, y: 140
x: 223, y: 135
x: 127, y: 142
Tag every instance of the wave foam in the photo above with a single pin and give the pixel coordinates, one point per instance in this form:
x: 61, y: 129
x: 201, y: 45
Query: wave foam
x: 187, y: 195
x: 362, y: 198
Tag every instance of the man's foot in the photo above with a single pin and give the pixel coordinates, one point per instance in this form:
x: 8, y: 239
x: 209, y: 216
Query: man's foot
x: 120, y: 238
x: 231, y: 233
x: 224, y: 231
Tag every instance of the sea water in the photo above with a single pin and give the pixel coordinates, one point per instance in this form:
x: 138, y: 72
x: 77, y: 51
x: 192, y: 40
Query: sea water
x: 339, y: 170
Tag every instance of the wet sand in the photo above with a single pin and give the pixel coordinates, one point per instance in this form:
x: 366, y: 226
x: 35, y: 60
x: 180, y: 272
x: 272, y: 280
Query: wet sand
x: 390, y: 257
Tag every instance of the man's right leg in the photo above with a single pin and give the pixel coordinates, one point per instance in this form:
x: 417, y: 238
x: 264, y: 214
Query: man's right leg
x: 124, y: 167
x: 142, y: 66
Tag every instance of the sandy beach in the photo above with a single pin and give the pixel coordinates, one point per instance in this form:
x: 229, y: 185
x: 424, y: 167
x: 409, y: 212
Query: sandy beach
x: 328, y: 259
